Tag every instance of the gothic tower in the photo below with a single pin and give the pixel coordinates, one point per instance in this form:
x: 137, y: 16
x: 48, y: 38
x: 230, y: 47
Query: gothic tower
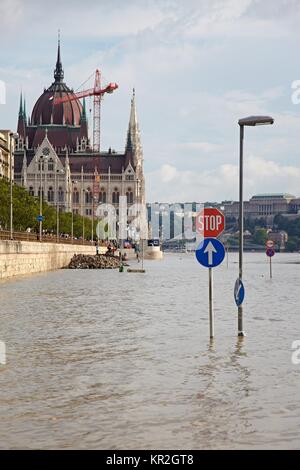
x: 134, y: 149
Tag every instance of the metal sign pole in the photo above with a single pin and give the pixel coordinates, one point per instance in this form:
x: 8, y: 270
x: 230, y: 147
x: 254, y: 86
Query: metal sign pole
x: 270, y: 267
x: 210, y: 298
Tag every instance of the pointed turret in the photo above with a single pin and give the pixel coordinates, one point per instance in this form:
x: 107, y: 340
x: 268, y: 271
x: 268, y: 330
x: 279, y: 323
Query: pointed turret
x: 24, y: 109
x: 21, y: 105
x: 133, y: 144
x: 21, y: 129
x: 83, y: 123
x: 58, y: 72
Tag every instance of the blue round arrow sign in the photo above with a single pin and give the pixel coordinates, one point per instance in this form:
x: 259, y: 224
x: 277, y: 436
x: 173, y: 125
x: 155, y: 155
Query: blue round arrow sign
x: 239, y: 292
x: 210, y: 252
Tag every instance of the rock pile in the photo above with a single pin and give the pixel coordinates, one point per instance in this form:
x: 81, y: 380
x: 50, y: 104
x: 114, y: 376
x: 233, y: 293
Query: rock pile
x: 93, y: 262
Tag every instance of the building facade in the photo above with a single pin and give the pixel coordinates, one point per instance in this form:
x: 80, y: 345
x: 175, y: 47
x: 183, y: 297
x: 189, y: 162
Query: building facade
x: 261, y: 206
x: 6, y: 154
x: 53, y: 155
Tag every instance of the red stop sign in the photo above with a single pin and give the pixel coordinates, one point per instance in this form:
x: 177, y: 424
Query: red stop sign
x: 210, y: 222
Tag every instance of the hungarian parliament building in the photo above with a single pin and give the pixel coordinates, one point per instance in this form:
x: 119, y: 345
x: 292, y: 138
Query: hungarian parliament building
x: 53, y: 154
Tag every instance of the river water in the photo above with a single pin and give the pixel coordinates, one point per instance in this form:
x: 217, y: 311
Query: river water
x: 109, y: 360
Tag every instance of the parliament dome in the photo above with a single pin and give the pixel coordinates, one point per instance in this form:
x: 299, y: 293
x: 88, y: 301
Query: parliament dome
x: 46, y: 113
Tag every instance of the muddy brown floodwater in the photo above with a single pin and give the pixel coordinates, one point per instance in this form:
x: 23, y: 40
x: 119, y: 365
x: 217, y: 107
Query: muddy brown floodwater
x: 109, y: 360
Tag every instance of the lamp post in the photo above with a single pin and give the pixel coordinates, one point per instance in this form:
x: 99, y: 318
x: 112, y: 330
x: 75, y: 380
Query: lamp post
x: 94, y: 198
x: 82, y: 211
x: 57, y: 173
x: 72, y: 213
x: 42, y: 161
x: 11, y: 137
x: 248, y: 121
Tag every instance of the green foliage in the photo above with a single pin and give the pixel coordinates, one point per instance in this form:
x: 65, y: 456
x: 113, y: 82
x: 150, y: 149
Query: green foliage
x: 260, y: 236
x: 292, y: 227
x: 293, y: 244
x: 251, y: 225
x: 26, y: 208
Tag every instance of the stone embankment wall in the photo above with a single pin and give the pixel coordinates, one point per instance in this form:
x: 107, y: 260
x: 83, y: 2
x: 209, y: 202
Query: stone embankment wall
x: 21, y: 257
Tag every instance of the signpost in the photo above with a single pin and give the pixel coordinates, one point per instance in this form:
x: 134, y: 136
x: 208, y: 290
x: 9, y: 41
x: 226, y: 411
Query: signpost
x: 40, y: 218
x: 270, y: 252
x: 210, y: 223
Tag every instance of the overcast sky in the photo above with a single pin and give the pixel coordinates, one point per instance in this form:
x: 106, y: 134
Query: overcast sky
x: 197, y: 66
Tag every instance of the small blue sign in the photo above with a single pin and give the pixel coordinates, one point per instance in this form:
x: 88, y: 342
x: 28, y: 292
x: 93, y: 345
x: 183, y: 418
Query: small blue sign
x: 239, y: 292
x: 210, y: 253
x: 40, y: 218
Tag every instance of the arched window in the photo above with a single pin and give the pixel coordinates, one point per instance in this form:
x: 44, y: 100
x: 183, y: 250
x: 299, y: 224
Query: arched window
x: 50, y: 194
x: 39, y: 192
x: 129, y: 196
x: 88, y: 196
x: 115, y: 196
x: 31, y: 191
x: 50, y: 165
x: 61, y: 194
x: 102, y: 196
x: 75, y: 196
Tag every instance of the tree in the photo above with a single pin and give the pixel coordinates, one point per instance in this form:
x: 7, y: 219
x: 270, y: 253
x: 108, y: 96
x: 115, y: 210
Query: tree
x: 293, y: 244
x: 26, y: 208
x: 260, y: 236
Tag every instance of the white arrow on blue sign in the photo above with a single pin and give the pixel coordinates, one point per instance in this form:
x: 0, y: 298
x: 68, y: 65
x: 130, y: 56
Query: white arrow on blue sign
x: 239, y: 292
x: 210, y: 253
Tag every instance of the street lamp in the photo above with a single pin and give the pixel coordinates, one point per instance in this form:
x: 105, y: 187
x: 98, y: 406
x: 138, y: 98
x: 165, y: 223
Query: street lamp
x: 42, y: 160
x: 82, y: 210
x: 94, y: 199
x: 248, y: 121
x: 11, y: 137
x: 57, y: 173
x: 72, y: 213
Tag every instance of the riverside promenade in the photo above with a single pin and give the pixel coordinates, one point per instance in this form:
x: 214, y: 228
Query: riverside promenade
x: 25, y: 255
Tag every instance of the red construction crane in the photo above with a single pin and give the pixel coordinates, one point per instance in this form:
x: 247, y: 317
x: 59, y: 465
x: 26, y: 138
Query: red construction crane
x: 97, y: 92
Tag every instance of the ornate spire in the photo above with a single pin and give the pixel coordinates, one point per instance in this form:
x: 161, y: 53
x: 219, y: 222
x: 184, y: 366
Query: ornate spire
x: 58, y: 72
x: 133, y: 122
x: 24, y: 110
x: 21, y: 129
x: 83, y: 114
x: 21, y: 105
x: 133, y: 144
x: 83, y: 123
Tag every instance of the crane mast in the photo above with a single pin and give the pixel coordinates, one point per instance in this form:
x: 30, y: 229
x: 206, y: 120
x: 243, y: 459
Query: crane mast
x: 97, y: 113
x: 97, y: 92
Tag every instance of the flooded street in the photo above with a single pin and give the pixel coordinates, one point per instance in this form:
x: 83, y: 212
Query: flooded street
x: 109, y: 360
